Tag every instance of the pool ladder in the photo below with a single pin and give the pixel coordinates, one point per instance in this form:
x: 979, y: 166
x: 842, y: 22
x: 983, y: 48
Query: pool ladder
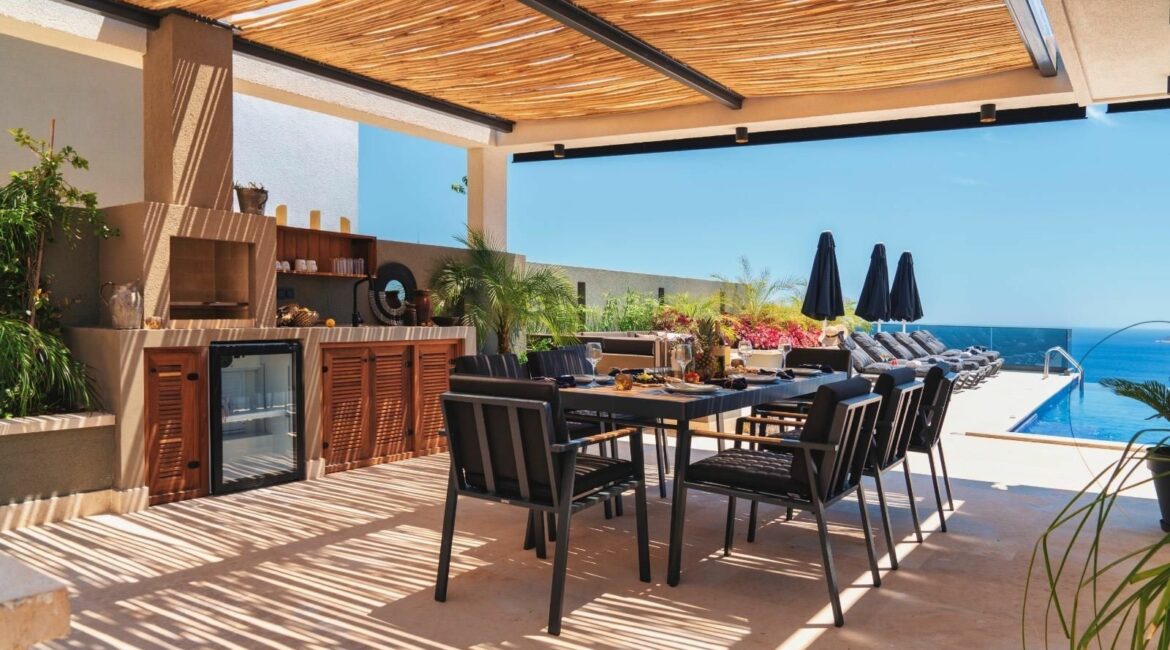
x: 1067, y: 357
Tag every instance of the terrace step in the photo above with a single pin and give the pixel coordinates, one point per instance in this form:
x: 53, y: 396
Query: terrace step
x: 34, y: 607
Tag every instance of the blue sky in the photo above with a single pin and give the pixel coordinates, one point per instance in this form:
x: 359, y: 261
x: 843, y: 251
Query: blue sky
x: 1062, y: 224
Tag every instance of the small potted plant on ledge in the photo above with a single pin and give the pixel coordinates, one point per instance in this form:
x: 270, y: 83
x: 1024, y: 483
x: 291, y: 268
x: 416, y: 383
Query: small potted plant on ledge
x: 252, y: 198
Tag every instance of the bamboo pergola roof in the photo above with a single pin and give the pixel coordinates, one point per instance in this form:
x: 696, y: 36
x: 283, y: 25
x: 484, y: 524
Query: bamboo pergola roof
x: 503, y: 58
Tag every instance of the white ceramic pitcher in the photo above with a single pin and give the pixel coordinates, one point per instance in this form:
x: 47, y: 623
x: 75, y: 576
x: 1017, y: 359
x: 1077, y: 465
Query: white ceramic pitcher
x: 125, y: 305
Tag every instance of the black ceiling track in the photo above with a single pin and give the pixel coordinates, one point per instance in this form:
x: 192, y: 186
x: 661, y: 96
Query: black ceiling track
x: 1148, y: 105
x: 614, y: 37
x: 273, y: 55
x: 1010, y: 117
x: 150, y: 19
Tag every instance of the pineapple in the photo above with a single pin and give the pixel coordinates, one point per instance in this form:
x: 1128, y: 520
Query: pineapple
x: 707, y: 343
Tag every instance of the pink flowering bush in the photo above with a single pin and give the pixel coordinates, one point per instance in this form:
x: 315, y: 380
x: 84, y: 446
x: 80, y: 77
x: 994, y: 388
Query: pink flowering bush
x: 764, y: 334
x: 769, y: 336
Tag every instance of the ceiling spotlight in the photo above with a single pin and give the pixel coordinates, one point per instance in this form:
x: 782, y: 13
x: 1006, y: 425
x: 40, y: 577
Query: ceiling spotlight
x: 741, y: 135
x: 558, y: 151
x: 987, y: 113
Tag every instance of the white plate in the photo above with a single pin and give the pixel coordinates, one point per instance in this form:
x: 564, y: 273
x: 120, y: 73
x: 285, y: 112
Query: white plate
x: 694, y: 389
x: 760, y: 379
x: 585, y: 379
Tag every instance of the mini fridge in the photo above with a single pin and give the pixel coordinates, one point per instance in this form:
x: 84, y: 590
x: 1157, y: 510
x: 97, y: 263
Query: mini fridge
x: 257, y: 421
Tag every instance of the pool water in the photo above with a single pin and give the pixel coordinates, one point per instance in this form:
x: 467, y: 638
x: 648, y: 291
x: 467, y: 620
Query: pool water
x: 1095, y: 413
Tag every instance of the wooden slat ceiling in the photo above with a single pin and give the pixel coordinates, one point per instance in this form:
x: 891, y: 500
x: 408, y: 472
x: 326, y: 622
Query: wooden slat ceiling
x: 500, y: 57
x: 764, y: 48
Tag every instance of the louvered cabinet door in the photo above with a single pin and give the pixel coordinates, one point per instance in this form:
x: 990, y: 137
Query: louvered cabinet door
x: 346, y: 409
x: 432, y: 369
x: 176, y: 424
x: 390, y: 422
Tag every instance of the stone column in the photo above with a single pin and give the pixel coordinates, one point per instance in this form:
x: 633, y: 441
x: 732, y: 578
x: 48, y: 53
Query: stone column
x: 487, y: 194
x: 187, y: 117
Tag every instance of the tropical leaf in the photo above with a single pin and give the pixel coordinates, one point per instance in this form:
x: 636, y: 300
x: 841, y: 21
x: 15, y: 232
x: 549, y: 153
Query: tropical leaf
x: 501, y: 296
x: 1097, y: 599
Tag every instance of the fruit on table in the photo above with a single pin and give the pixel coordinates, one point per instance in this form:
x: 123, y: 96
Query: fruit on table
x: 329, y: 322
x: 692, y: 377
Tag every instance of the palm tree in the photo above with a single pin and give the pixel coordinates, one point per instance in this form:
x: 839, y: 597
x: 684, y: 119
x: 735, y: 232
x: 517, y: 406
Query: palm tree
x: 755, y: 295
x: 498, y: 295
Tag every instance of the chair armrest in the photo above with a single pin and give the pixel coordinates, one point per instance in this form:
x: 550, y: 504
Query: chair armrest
x: 775, y: 442
x: 777, y: 421
x: 581, y: 443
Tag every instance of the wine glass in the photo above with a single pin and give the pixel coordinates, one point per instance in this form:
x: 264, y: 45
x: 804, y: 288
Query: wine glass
x: 785, y: 348
x: 745, y: 352
x: 593, y: 354
x: 683, y: 355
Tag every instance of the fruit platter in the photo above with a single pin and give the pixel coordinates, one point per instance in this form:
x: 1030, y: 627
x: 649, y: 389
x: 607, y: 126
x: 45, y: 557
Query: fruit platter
x: 649, y: 379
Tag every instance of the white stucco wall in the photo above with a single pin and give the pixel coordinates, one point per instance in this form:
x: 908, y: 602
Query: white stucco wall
x: 306, y: 160
x: 97, y: 105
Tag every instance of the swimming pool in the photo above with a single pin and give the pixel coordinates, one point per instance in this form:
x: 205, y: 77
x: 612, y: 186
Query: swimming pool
x: 1094, y: 414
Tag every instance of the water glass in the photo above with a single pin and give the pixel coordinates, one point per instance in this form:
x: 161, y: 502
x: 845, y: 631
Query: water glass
x: 745, y: 352
x: 682, y: 357
x: 593, y: 354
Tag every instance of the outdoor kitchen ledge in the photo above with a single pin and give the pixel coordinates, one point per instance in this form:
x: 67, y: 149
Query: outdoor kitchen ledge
x: 120, y: 359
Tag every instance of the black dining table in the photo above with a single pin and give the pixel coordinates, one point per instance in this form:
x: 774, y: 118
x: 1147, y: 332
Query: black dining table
x: 650, y: 406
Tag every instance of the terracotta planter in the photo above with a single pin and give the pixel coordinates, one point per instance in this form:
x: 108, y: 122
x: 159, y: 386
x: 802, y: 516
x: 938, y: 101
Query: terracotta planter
x: 252, y: 201
x: 422, y: 307
x: 1158, y: 461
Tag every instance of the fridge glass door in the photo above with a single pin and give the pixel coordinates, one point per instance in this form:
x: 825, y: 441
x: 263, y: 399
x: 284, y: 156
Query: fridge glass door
x: 258, y: 434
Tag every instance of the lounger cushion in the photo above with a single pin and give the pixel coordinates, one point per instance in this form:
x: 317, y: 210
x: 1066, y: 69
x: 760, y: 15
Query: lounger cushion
x: 897, y: 349
x: 909, y: 343
x: 871, y: 347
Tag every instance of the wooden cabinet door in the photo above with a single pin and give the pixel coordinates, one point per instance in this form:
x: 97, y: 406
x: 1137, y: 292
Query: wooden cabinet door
x: 176, y: 424
x: 432, y: 369
x: 390, y: 423
x: 346, y: 412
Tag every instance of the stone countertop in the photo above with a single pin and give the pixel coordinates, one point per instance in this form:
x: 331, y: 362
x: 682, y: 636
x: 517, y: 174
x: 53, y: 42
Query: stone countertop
x: 340, y: 334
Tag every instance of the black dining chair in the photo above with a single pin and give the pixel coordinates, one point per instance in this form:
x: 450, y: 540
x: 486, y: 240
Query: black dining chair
x: 491, y: 365
x: 832, y: 358
x: 508, y: 366
x: 571, y: 360
x: 938, y: 387
x: 901, y: 396
x: 819, y: 468
x: 509, y: 444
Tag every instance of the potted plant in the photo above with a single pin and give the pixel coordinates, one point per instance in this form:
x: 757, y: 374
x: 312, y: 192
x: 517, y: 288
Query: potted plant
x: 1099, y: 598
x: 499, y: 296
x: 252, y: 198
x: 38, y: 373
x: 1155, y: 395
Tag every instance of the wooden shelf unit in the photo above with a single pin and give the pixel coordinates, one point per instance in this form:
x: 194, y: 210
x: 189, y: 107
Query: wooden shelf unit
x: 324, y: 246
